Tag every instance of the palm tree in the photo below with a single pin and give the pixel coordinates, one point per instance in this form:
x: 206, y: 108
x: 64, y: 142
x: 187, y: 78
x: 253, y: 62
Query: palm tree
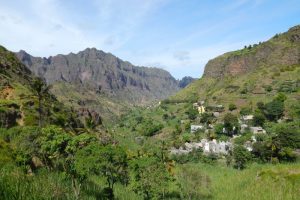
x: 41, y: 90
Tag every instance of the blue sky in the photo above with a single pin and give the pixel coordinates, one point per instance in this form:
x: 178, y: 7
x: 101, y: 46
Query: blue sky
x: 177, y: 35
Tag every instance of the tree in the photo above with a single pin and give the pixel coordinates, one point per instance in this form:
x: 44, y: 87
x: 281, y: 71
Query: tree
x: 280, y: 97
x: 194, y: 184
x: 41, y: 89
x: 53, y: 142
x: 260, y: 105
x: 245, y: 111
x: 149, y: 128
x: 206, y: 118
x: 241, y: 156
x: 231, y: 124
x: 274, y: 110
x: 107, y: 161
x: 77, y: 174
x: 259, y: 119
x: 288, y: 135
x: 192, y: 113
x: 232, y: 107
x: 151, y: 178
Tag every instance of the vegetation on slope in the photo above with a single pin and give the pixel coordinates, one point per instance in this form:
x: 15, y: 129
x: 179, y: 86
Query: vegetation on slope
x: 132, y: 160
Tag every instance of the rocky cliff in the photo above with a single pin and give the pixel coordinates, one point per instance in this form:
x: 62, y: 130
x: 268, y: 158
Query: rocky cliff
x: 104, y: 73
x: 19, y: 103
x: 281, y: 50
x: 254, y: 74
x: 101, y: 82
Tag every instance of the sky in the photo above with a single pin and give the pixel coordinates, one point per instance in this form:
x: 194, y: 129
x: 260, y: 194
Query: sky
x: 180, y: 36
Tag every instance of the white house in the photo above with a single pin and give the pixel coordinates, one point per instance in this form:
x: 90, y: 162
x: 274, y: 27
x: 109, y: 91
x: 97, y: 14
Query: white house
x: 195, y: 128
x: 257, y: 130
x: 247, y: 117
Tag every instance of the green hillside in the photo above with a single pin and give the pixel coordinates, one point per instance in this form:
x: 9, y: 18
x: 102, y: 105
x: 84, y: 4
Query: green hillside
x: 19, y: 102
x: 233, y: 134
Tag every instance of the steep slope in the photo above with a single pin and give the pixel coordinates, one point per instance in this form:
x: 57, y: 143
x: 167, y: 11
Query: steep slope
x: 254, y: 74
x: 101, y: 81
x: 281, y: 50
x: 18, y: 99
x: 185, y: 81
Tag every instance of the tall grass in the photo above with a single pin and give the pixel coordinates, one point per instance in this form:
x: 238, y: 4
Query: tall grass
x: 263, y: 182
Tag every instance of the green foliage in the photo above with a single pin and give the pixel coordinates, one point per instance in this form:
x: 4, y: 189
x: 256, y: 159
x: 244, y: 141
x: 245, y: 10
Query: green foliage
x: 259, y: 119
x: 245, y: 111
x: 194, y: 184
x: 280, y: 97
x: 149, y: 128
x: 109, y: 162
x: 241, y: 156
x: 192, y: 113
x: 232, y: 107
x: 288, y: 135
x: 219, y: 129
x: 260, y: 105
x: 151, y: 178
x: 274, y: 110
x: 268, y: 88
x: 242, y: 139
x: 187, y: 137
x: 287, y: 154
x: 207, y: 118
x: 231, y: 124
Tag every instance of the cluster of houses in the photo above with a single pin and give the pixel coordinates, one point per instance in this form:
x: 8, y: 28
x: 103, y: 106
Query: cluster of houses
x: 244, y: 124
x: 214, y: 146
x: 208, y: 147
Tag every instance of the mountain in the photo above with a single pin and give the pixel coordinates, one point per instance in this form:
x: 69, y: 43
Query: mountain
x: 281, y: 50
x: 256, y: 73
x: 19, y: 102
x: 185, y: 81
x: 100, y: 81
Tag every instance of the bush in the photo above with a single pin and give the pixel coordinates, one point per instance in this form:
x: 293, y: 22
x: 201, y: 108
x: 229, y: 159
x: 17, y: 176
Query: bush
x: 259, y: 119
x: 192, y: 113
x: 245, y: 111
x: 274, y: 110
x: 232, y: 107
x: 149, y: 128
x: 241, y: 156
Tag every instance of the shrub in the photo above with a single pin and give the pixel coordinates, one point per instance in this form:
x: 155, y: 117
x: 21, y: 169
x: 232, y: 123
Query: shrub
x: 259, y: 119
x: 274, y: 110
x: 245, y: 111
x: 241, y: 156
x: 232, y: 107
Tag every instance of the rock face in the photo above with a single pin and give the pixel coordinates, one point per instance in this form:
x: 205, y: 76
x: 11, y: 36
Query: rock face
x: 185, y: 81
x: 18, y: 101
x: 281, y: 50
x: 103, y: 73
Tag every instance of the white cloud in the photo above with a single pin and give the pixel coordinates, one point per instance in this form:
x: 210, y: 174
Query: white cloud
x: 44, y: 27
x: 193, y: 66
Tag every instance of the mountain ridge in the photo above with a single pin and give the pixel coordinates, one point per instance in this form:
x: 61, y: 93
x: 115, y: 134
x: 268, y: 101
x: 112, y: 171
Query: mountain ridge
x: 282, y: 49
x: 101, y: 81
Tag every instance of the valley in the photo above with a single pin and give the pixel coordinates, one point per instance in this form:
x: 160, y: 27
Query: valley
x: 91, y: 126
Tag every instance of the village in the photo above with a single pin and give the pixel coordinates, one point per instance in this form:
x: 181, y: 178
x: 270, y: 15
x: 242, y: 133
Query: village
x: 211, y: 145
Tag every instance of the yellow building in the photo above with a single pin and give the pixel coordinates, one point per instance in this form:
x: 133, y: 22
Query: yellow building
x: 201, y: 109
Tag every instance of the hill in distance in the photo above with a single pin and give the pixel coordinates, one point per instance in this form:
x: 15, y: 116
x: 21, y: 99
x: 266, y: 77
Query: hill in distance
x: 255, y: 73
x: 101, y: 82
